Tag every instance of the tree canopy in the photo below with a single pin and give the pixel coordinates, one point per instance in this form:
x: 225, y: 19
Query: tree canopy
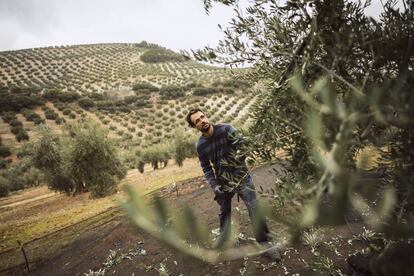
x: 336, y: 81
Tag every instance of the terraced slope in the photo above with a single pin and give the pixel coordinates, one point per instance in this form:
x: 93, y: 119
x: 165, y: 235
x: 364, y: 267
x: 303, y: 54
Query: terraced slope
x: 95, y: 68
x: 107, y: 75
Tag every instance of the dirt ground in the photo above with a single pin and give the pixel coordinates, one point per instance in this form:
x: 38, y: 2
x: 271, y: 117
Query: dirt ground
x: 135, y: 252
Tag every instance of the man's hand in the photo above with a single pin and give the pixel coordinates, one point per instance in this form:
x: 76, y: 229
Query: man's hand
x: 218, y: 191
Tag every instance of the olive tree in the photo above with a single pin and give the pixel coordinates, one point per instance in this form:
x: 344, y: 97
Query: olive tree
x: 183, y: 146
x: 83, y: 159
x: 91, y: 159
x: 336, y: 81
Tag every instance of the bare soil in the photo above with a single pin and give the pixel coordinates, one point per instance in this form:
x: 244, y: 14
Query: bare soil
x: 89, y: 244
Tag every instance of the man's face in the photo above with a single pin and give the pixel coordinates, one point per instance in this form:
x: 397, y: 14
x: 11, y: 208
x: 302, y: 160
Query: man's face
x: 200, y: 121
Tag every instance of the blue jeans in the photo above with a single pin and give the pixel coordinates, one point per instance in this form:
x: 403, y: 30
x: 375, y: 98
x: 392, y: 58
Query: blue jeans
x: 248, y: 194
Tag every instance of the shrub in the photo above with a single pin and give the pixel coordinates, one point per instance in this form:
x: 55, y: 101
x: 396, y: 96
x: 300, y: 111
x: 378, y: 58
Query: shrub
x: 204, y: 91
x: 227, y: 90
x: 22, y: 136
x: 161, y: 55
x: 171, y: 92
x: 86, y: 103
x: 58, y: 95
x: 60, y: 120
x: 25, y: 150
x: 66, y: 111
x: 4, y: 187
x: 30, y: 115
x: 72, y: 115
x: 191, y: 85
x: 14, y: 177
x: 127, y: 136
x: 38, y: 121
x: 3, y: 163
x: 144, y: 87
x: 232, y: 83
x: 130, y: 99
x: 13, y: 100
x: 33, y: 177
x: 4, y: 151
x: 15, y: 123
x: 51, y: 115
x: 16, y: 129
x: 60, y: 106
x: 9, y: 116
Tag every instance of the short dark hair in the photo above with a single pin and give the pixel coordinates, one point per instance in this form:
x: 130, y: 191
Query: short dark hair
x: 191, y: 112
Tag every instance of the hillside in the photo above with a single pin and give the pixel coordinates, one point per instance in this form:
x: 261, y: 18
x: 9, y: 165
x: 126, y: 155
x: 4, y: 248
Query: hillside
x: 139, y: 92
x: 96, y: 68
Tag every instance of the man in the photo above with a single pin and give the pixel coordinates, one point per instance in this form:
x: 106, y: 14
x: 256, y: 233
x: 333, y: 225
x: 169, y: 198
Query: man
x: 226, y: 173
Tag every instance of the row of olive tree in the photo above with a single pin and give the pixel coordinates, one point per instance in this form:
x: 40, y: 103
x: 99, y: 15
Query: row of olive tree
x: 179, y: 147
x: 84, y: 159
x: 161, y: 55
x: 16, y: 98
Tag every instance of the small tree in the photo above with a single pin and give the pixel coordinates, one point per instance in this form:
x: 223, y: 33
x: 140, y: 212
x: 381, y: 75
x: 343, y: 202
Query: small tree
x: 91, y: 159
x: 82, y: 160
x: 22, y: 135
x: 140, y: 164
x: 86, y: 103
x: 156, y: 155
x: 47, y: 158
x: 184, y: 146
x: 4, y: 151
x: 33, y: 177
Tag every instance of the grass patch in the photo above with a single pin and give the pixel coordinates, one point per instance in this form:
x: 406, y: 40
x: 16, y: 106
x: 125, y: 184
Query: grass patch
x: 74, y: 209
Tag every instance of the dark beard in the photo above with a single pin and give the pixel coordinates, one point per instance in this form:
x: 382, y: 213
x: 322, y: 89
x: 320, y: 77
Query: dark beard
x: 205, y: 130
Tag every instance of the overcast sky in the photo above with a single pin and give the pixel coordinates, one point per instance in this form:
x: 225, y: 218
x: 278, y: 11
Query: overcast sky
x: 175, y: 24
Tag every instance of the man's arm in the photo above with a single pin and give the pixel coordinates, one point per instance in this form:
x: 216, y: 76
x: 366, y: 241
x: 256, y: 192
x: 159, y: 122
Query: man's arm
x: 207, y: 170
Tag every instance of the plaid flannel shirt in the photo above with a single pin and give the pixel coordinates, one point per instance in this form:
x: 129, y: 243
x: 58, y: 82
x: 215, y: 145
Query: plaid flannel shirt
x: 215, y: 151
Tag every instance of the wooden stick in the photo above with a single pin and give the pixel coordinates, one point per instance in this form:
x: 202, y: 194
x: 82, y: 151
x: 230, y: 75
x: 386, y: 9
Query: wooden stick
x: 24, y: 254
